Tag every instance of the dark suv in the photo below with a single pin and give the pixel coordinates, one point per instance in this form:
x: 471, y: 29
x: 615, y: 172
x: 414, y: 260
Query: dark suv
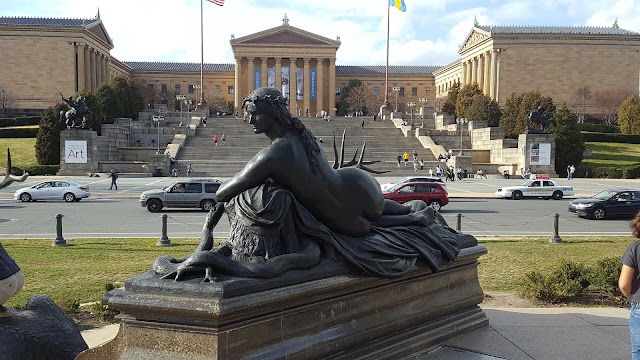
x: 196, y: 193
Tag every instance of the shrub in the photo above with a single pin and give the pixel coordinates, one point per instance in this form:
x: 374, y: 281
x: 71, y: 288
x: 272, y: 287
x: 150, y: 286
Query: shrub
x: 36, y: 170
x: 604, y: 276
x: 19, y: 133
x: 599, y: 128
x: 101, y: 312
x: 69, y: 306
x: 563, y: 282
x: 608, y: 137
x: 608, y: 172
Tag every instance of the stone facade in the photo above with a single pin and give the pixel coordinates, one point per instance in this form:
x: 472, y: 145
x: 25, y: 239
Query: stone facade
x: 40, y: 55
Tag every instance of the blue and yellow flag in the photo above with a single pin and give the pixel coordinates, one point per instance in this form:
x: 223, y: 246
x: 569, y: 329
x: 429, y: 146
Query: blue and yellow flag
x: 398, y: 4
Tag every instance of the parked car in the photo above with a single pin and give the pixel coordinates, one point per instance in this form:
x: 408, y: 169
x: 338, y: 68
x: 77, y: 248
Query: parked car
x: 431, y: 193
x: 196, y: 193
x: 409, y: 179
x: 66, y: 190
x: 607, y: 204
x: 547, y: 189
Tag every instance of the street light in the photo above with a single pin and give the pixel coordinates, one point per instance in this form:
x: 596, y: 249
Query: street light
x: 424, y: 102
x: 411, y: 105
x: 396, y: 90
x: 461, y: 122
x: 157, y: 119
x: 181, y: 98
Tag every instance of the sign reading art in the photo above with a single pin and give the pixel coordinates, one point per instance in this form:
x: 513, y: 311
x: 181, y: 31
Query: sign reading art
x: 313, y: 83
x: 540, y: 154
x: 75, y: 152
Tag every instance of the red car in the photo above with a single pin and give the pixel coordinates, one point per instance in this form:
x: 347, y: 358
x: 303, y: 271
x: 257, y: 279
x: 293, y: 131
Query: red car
x: 431, y: 193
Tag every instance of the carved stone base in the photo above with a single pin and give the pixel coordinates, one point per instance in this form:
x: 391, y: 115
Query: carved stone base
x: 339, y: 317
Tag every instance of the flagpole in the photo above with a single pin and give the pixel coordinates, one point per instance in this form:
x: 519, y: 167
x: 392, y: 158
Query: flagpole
x: 202, y: 101
x: 384, y: 109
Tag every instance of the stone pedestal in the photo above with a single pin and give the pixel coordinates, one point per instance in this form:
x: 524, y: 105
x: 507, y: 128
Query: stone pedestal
x: 86, y: 155
x: 342, y: 316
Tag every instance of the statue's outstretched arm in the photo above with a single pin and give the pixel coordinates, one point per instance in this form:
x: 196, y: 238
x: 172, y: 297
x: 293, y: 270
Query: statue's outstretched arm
x: 256, y: 172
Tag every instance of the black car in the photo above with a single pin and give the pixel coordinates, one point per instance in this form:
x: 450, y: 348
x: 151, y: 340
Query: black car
x: 607, y: 204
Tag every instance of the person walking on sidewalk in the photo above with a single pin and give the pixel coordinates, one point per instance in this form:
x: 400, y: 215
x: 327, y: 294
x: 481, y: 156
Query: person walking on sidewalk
x: 629, y: 283
x: 189, y: 168
x: 215, y: 139
x: 405, y: 156
x: 114, y: 176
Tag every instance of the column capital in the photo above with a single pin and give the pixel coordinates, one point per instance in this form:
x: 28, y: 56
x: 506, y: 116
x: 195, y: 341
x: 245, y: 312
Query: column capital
x: 332, y: 61
x: 306, y: 60
x: 278, y: 59
x: 251, y: 58
x: 264, y: 58
x: 238, y: 58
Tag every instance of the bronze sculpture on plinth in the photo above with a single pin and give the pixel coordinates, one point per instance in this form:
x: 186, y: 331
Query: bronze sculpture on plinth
x: 290, y: 209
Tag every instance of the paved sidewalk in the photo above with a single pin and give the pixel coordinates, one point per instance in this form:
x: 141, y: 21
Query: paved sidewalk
x: 524, y: 334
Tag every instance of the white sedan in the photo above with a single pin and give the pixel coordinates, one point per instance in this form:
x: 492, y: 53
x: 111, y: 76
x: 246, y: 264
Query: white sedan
x: 535, y: 188
x: 66, y: 190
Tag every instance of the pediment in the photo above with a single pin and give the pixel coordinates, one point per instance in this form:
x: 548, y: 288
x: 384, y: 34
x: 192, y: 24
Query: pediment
x: 285, y: 35
x: 99, y: 31
x: 476, y: 36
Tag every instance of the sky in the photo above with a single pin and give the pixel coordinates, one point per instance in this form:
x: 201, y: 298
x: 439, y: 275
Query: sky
x: 428, y: 33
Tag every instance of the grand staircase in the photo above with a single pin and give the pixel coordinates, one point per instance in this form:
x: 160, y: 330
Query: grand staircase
x: 384, y: 143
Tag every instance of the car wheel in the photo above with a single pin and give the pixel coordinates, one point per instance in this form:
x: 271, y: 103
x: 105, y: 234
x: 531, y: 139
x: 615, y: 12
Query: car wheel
x: 557, y: 195
x: 25, y: 197
x: 435, y: 205
x: 69, y: 197
x: 516, y: 195
x: 599, y: 213
x: 154, y: 205
x: 207, y: 205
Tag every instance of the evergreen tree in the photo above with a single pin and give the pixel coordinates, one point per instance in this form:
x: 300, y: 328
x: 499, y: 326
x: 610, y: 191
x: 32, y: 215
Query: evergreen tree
x: 569, y: 142
x: 508, y: 120
x: 48, y: 138
x: 342, y: 103
x: 515, y: 115
x: 449, y: 105
x: 485, y: 109
x: 465, y: 98
x: 629, y: 116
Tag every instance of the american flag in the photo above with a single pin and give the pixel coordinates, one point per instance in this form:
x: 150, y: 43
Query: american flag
x: 217, y: 2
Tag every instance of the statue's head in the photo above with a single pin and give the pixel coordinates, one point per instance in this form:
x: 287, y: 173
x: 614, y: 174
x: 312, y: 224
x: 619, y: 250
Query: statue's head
x: 270, y: 101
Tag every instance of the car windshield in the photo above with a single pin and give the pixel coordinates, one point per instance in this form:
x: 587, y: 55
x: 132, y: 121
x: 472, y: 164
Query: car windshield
x: 526, y: 183
x: 604, y: 195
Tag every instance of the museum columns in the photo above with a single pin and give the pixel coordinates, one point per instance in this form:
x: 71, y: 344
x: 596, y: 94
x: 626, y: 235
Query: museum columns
x: 332, y: 86
x: 320, y: 88
x: 278, y: 80
x: 81, y: 67
x: 87, y: 67
x: 236, y: 90
x: 474, y: 70
x: 487, y: 73
x: 480, y: 72
x: 469, y: 66
x: 494, y: 75
x: 98, y: 69
x: 251, y: 82
x: 264, y: 76
x: 293, y: 87
x: 307, y: 87
x: 92, y: 71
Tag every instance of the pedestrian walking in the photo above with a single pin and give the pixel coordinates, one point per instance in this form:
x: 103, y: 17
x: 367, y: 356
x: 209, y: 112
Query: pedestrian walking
x: 415, y: 154
x: 405, y: 156
x: 114, y: 176
x: 399, y: 159
x: 415, y: 164
x: 421, y: 165
x: 362, y: 124
x: 629, y: 283
x: 223, y: 139
x: 215, y: 139
x: 189, y: 168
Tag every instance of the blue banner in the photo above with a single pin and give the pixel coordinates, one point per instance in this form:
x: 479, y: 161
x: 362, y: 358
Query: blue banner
x: 314, y: 76
x: 257, y: 74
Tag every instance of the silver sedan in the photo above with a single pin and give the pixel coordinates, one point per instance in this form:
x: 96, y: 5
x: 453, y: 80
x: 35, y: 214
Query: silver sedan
x: 66, y: 190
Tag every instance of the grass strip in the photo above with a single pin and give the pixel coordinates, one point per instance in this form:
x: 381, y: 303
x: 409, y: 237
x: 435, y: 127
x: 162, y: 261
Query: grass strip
x: 80, y: 271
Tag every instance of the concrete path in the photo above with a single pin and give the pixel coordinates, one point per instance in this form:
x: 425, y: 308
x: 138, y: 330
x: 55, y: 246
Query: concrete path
x: 524, y: 334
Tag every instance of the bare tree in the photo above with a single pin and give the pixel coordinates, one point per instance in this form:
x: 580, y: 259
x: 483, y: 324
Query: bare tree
x: 582, y: 100
x: 6, y: 102
x: 438, y: 103
x: 357, y: 99
x: 608, y: 101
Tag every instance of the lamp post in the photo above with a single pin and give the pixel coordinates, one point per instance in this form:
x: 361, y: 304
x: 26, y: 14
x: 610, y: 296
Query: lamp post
x: 411, y: 105
x: 157, y: 119
x: 181, y: 98
x: 396, y: 90
x: 461, y: 123
x: 424, y: 102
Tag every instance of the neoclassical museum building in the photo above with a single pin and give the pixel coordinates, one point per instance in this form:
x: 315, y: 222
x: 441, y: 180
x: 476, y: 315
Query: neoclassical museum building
x: 41, y: 56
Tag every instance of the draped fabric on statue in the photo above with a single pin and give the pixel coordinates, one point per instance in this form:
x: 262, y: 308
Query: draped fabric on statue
x: 385, y: 252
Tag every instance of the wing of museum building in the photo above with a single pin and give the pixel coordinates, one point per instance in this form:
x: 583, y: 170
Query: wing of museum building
x: 43, y: 57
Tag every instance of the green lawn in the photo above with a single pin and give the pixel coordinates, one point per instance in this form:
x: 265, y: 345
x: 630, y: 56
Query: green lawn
x: 23, y: 152
x: 611, y: 154
x: 80, y: 271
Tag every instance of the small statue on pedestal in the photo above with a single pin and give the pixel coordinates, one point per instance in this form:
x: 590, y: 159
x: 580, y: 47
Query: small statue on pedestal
x: 76, y: 117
